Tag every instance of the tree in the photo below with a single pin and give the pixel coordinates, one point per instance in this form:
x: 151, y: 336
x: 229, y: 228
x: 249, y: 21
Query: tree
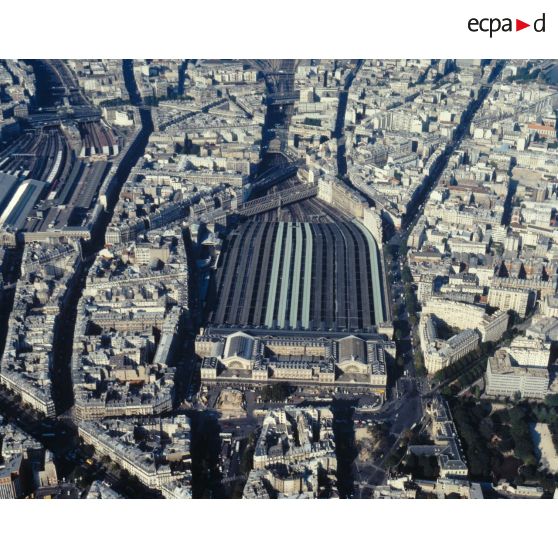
x: 419, y: 364
x: 406, y: 275
x: 521, y: 434
x: 247, y: 454
x: 277, y: 392
x: 552, y: 400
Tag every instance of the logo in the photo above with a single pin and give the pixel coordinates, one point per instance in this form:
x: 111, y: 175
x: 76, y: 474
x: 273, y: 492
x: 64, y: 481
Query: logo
x: 495, y: 24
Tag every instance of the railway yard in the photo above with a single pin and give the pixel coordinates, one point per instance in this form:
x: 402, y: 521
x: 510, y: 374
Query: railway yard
x: 68, y: 152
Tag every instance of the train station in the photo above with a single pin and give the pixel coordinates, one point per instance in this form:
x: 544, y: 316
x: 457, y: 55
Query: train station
x: 301, y: 276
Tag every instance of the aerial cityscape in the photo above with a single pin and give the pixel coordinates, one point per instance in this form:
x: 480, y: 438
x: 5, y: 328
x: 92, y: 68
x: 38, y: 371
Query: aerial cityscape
x: 278, y: 278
